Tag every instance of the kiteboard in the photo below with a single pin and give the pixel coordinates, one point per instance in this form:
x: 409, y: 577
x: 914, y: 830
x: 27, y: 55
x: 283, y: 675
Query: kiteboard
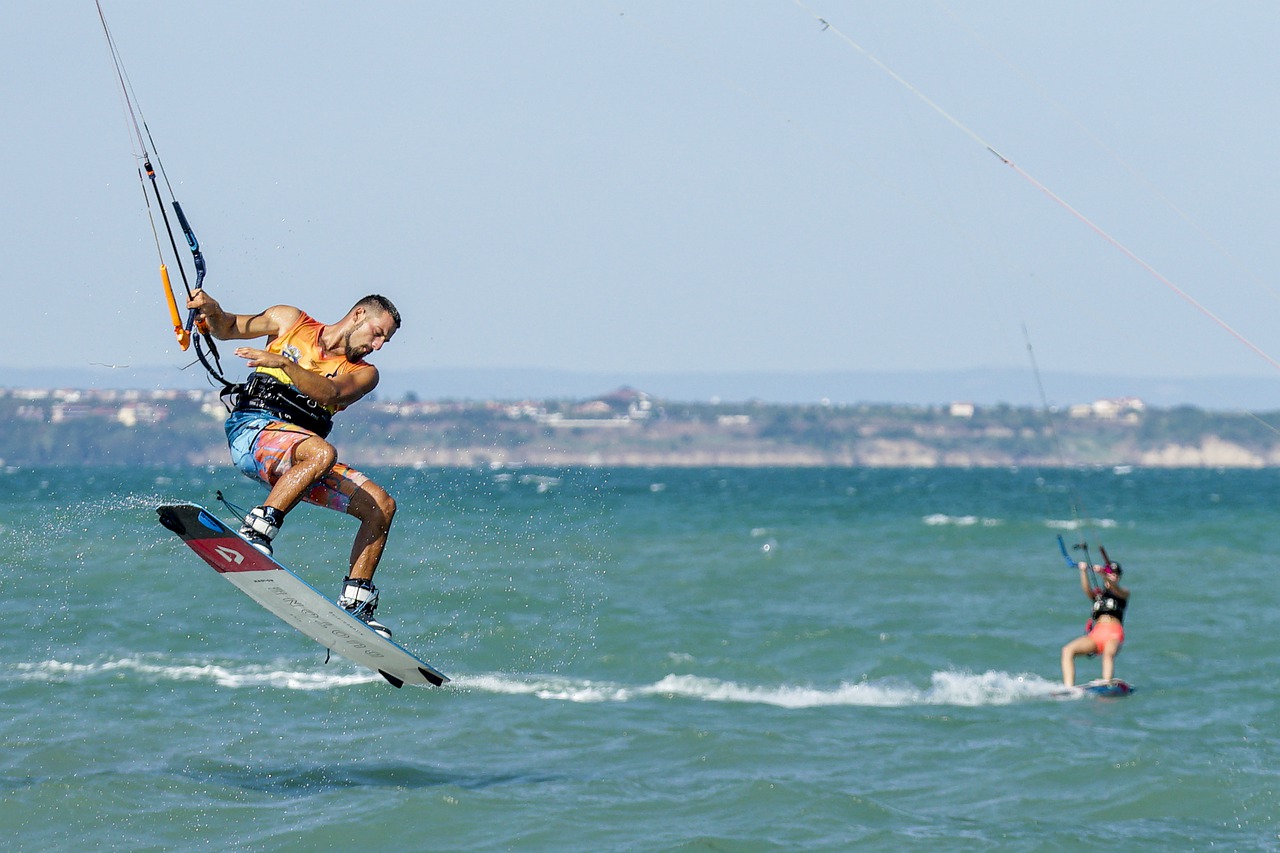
x: 1112, y: 689
x: 292, y: 599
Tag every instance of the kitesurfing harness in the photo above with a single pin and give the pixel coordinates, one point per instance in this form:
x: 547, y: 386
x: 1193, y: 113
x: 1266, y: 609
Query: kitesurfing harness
x: 262, y: 392
x: 1108, y: 604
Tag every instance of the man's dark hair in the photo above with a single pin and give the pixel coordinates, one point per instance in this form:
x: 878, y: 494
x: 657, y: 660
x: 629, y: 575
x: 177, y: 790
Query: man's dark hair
x: 382, y: 303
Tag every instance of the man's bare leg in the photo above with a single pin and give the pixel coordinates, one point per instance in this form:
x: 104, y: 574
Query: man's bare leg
x: 312, y: 459
x: 375, y: 509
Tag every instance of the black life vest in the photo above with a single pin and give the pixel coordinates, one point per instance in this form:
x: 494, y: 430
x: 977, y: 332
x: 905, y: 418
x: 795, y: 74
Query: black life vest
x: 1108, y: 604
x: 263, y: 393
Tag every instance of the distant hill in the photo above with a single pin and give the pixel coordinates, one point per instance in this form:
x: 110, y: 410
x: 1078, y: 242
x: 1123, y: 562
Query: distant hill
x: 628, y: 428
x: 980, y: 386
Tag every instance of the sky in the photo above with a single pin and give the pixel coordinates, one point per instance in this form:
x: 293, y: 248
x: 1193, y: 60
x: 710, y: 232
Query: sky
x: 662, y: 187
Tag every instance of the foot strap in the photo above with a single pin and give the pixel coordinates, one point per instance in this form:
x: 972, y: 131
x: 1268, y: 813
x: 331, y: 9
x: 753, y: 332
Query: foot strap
x: 359, y: 594
x: 265, y: 521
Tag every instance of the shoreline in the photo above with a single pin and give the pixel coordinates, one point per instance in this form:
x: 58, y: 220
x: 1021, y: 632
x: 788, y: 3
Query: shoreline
x: 627, y: 429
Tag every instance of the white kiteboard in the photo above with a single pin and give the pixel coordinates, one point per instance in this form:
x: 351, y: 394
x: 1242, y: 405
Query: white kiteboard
x: 293, y: 599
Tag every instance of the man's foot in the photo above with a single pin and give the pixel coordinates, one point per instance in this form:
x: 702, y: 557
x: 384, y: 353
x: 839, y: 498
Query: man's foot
x: 360, y: 598
x: 261, y: 526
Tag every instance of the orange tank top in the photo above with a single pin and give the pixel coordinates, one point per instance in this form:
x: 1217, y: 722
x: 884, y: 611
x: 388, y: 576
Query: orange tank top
x: 300, y: 343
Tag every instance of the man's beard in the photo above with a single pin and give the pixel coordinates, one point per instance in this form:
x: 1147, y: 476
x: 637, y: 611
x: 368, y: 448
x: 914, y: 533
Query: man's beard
x: 354, y: 353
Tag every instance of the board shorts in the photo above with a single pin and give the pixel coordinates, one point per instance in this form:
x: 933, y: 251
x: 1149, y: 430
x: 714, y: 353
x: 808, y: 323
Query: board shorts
x: 262, y: 448
x: 1103, y: 632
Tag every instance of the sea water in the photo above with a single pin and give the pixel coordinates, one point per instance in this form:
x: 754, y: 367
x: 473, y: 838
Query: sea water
x: 650, y: 659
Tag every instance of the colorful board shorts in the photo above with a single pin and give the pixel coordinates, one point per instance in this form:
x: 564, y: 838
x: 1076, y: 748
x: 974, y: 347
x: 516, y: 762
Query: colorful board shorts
x: 1102, y: 632
x: 262, y: 448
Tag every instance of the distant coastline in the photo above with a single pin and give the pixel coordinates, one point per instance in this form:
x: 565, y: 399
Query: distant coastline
x: 629, y: 428
x: 981, y: 386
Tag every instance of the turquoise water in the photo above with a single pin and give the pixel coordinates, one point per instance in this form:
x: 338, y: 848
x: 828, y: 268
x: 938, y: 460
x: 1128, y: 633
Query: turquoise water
x: 651, y: 659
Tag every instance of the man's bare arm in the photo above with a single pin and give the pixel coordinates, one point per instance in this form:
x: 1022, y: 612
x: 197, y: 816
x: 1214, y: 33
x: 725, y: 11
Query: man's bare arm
x: 226, y: 326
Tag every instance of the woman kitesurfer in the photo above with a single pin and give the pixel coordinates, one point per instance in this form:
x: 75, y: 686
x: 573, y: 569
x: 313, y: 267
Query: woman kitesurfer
x: 1104, y: 635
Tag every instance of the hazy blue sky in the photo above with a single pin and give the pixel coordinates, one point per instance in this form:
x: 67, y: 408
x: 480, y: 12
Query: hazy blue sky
x: 659, y: 186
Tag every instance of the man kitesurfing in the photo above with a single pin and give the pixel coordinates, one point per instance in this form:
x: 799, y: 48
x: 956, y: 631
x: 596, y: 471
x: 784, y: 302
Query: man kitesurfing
x: 277, y: 432
x: 283, y: 413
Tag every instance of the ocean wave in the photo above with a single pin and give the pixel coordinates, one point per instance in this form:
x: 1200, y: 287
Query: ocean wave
x: 1076, y: 524
x: 549, y: 687
x: 938, y: 519
x: 252, y: 675
x: 945, y: 688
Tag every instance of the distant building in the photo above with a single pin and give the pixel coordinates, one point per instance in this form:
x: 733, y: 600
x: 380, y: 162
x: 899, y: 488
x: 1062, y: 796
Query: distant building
x: 1118, y: 408
x: 593, y: 409
x: 630, y: 402
x: 962, y: 410
x: 141, y: 413
x: 60, y: 412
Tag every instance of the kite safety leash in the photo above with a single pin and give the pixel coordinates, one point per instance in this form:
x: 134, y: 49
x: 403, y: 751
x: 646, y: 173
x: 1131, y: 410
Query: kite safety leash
x: 190, y: 331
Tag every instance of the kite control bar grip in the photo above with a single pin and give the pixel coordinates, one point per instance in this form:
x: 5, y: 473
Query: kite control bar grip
x: 197, y: 258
